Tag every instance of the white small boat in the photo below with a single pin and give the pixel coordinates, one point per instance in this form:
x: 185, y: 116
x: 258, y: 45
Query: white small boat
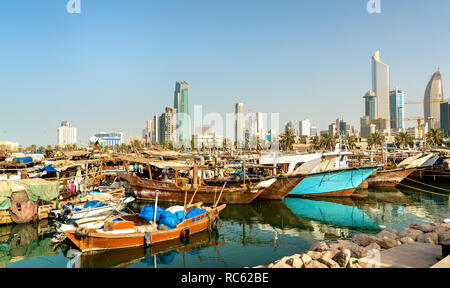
x: 91, y: 209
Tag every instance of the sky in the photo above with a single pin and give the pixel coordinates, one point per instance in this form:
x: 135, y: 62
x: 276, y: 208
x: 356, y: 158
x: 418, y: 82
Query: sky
x: 114, y: 65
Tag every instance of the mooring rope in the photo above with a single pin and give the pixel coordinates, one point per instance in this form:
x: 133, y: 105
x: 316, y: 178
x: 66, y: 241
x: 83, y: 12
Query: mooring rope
x: 435, y: 187
x: 411, y: 187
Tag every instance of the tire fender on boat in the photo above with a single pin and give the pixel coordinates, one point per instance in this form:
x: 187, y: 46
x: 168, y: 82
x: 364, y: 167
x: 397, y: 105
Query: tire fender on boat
x: 184, y: 235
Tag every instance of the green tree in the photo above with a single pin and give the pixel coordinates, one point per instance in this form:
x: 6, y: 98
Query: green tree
x: 327, y: 141
x: 403, y: 140
x: 375, y: 140
x: 435, y: 137
x: 351, y: 142
x: 287, y: 139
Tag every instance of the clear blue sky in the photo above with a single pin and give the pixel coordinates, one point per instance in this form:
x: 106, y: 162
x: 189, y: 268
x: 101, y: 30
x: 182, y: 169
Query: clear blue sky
x: 114, y: 66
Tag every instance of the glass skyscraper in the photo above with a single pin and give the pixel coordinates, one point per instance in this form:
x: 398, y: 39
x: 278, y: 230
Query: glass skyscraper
x: 380, y: 85
x: 434, y: 95
x: 181, y: 104
x: 371, y: 105
x: 397, y: 108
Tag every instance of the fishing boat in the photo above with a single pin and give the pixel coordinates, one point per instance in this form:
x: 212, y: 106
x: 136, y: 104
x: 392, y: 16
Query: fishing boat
x: 332, y: 183
x: 145, y: 189
x: 392, y: 177
x: 91, y: 208
x: 130, y: 232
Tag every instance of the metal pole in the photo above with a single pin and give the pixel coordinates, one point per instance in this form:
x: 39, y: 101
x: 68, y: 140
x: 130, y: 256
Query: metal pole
x: 156, y: 207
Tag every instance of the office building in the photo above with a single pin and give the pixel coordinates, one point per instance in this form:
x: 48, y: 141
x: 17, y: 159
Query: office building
x: 181, y: 105
x: 380, y: 86
x: 445, y: 118
x: 370, y: 101
x: 397, y: 107
x: 304, y: 128
x: 107, y: 139
x: 239, y: 125
x: 167, y: 126
x: 434, y: 95
x: 67, y: 135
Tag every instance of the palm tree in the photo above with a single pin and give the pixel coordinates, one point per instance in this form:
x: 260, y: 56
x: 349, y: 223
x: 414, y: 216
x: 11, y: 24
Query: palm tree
x: 327, y: 141
x: 316, y: 144
x: 403, y: 140
x: 435, y: 137
x: 351, y: 142
x: 287, y: 139
x: 375, y: 140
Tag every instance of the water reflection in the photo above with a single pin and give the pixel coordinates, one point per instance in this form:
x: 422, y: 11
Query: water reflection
x: 25, y: 242
x: 249, y: 235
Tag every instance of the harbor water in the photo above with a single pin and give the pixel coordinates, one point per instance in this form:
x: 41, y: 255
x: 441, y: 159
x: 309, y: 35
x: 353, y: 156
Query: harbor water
x: 249, y: 235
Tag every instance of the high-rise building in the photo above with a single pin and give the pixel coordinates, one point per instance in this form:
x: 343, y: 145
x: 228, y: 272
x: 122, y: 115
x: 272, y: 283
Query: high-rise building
x: 365, y: 127
x: 181, y: 104
x: 397, y: 107
x: 253, y: 124
x: 445, y: 118
x: 155, y: 132
x: 67, y: 135
x: 371, y: 105
x: 434, y: 94
x: 304, y: 128
x: 260, y: 125
x: 240, y: 125
x: 313, y: 131
x: 167, y: 126
x: 380, y: 85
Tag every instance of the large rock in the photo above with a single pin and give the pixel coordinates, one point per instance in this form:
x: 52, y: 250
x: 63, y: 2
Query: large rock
x: 294, y: 261
x: 387, y: 234
x: 314, y: 255
x: 444, y: 238
x: 441, y: 228
x: 389, y: 243
x: 406, y: 240
x: 409, y: 232
x: 372, y: 246
x: 305, y: 259
x: 356, y: 250
x: 431, y: 238
x: 342, y: 257
x: 319, y: 247
x: 425, y: 228
x: 280, y: 264
x: 362, y: 239
x: 327, y: 259
x: 315, y: 264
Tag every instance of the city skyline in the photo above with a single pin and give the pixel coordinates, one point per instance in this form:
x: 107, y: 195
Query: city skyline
x: 104, y: 72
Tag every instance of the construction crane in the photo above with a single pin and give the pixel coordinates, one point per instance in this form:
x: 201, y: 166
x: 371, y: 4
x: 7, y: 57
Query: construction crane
x: 418, y: 119
x: 428, y: 101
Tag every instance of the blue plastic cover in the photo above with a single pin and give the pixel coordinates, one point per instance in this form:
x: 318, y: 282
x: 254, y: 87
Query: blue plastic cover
x: 92, y: 204
x: 147, y: 212
x: 48, y: 168
x: 168, y: 219
x: 195, y: 212
x: 24, y: 160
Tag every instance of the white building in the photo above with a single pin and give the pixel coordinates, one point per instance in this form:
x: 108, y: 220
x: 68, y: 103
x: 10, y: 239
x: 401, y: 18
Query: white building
x: 240, y: 125
x: 260, y: 124
x: 107, y: 138
x: 380, y: 85
x: 67, y: 135
x: 304, y: 128
x: 209, y: 140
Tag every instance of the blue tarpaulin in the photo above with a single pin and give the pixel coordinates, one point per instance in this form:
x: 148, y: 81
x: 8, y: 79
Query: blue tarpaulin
x: 48, y: 168
x: 92, y: 204
x: 24, y: 160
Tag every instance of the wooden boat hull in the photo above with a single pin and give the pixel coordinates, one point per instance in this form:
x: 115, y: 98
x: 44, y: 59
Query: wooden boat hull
x: 145, y: 189
x: 97, y: 241
x: 339, y: 183
x: 280, y: 188
x: 388, y: 178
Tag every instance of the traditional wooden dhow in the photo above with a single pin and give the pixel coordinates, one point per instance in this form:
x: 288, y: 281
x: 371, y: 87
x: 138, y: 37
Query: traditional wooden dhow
x: 145, y: 189
x: 128, y: 234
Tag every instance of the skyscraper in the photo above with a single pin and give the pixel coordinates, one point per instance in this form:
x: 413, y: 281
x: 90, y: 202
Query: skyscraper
x: 445, y: 119
x: 167, y: 126
x: 260, y: 124
x: 397, y: 108
x: 304, y: 128
x: 67, y: 134
x: 181, y: 104
x: 240, y: 123
x: 434, y: 95
x: 380, y: 85
x: 371, y: 105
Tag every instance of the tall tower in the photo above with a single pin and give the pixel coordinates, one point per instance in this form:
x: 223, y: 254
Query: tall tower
x: 181, y: 104
x: 434, y: 95
x: 397, y: 106
x: 370, y: 100
x: 380, y: 85
x: 239, y: 127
